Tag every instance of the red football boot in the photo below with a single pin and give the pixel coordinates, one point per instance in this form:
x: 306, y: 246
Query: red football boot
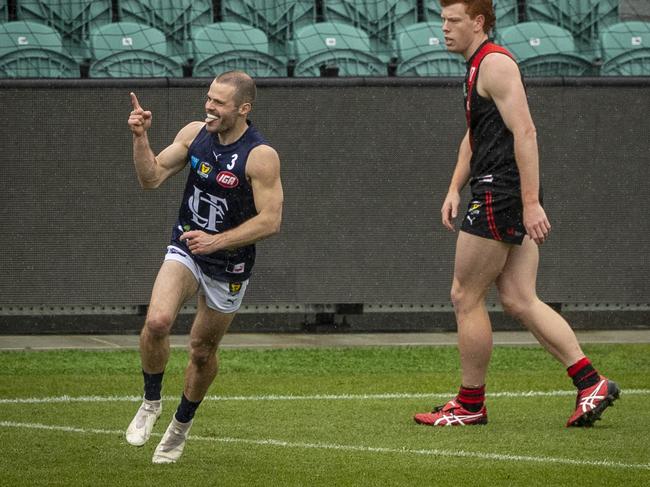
x: 591, y: 402
x: 452, y: 414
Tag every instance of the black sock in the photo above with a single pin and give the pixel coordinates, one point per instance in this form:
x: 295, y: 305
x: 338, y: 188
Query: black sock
x: 583, y: 374
x: 186, y: 410
x: 152, y: 386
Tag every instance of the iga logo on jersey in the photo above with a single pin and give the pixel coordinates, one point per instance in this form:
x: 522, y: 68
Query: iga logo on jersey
x: 227, y: 179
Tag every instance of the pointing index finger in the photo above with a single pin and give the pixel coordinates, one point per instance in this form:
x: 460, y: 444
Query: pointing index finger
x: 134, y: 102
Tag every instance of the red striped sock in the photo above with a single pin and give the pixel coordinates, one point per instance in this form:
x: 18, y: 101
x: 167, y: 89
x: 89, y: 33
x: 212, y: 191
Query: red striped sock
x: 583, y: 374
x: 470, y: 398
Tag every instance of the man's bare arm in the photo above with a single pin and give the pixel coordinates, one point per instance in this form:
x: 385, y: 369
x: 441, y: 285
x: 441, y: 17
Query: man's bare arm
x: 458, y: 181
x: 153, y: 170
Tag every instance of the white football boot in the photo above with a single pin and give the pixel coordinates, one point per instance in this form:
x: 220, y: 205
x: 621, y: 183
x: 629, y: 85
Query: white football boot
x: 139, y: 431
x: 170, y: 448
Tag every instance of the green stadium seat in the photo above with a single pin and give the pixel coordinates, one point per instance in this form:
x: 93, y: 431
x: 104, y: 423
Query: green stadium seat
x: 175, y: 18
x: 32, y: 50
x: 550, y: 11
x: 380, y: 19
x: 626, y: 49
x: 4, y: 12
x: 421, y: 51
x: 73, y: 19
x: 506, y: 11
x: 542, y: 49
x: 130, y: 50
x: 279, y: 19
x: 583, y: 18
x: 329, y: 44
x: 226, y: 46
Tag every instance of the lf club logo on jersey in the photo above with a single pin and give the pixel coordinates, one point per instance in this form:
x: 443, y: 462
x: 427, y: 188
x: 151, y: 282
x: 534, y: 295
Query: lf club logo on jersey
x: 226, y: 179
x: 207, y: 209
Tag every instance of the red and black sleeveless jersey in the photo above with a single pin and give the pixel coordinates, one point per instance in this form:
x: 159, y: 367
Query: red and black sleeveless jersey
x: 493, y: 162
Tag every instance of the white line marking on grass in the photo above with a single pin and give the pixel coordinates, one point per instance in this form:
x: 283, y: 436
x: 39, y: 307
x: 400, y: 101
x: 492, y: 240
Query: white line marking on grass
x: 64, y: 399
x: 46, y: 349
x: 353, y: 448
x: 434, y: 453
x: 316, y: 397
x: 64, y: 429
x: 105, y: 342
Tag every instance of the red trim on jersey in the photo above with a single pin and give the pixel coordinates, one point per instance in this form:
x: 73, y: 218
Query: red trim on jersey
x: 477, y: 59
x: 490, y: 216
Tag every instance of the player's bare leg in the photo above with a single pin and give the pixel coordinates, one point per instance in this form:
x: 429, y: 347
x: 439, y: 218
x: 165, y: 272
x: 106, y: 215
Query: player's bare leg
x: 478, y: 263
x: 518, y: 296
x: 208, y: 329
x: 174, y: 285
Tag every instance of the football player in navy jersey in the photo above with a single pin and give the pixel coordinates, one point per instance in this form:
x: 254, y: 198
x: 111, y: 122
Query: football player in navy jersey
x: 503, y: 226
x: 233, y: 198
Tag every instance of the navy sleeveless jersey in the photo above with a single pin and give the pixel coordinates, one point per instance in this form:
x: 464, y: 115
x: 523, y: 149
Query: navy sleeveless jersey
x: 218, y: 197
x: 493, y: 162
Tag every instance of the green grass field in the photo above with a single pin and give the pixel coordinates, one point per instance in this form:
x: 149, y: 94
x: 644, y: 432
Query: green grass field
x: 322, y: 417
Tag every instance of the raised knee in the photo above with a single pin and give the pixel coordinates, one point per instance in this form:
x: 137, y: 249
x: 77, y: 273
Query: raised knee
x: 158, y: 325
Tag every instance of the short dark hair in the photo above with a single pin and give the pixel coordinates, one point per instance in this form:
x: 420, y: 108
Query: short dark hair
x: 477, y: 7
x: 245, y: 90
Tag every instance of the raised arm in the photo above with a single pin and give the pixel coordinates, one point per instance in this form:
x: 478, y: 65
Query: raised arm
x: 263, y: 171
x: 500, y: 80
x: 153, y: 170
x: 458, y: 181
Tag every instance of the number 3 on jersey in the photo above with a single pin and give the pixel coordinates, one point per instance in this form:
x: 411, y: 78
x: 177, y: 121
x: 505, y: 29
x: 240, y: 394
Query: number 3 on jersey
x: 232, y: 162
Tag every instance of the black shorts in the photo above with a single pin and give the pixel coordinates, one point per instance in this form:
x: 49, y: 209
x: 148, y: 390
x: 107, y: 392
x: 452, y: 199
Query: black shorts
x: 496, y: 216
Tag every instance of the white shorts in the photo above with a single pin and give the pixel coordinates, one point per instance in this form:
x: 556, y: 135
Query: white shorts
x: 222, y: 296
